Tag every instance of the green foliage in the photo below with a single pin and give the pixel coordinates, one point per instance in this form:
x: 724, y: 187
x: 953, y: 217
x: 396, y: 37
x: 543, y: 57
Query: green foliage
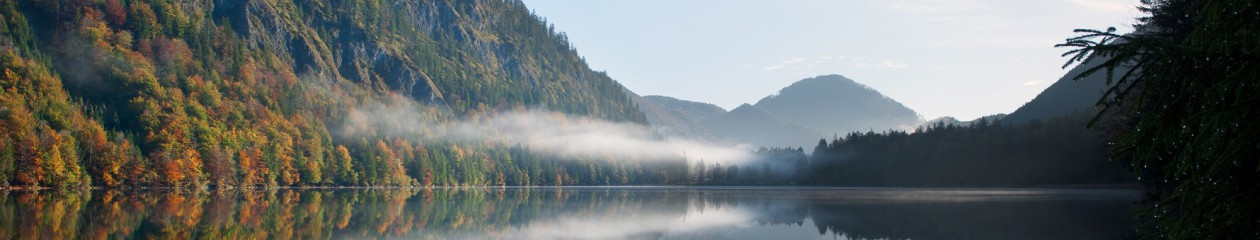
x: 1184, y: 114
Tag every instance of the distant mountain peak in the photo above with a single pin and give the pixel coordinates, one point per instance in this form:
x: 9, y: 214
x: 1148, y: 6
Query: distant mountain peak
x: 834, y: 104
x: 798, y: 115
x: 826, y: 79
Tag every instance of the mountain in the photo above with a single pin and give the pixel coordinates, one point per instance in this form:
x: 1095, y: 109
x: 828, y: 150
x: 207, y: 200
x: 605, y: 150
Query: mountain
x: 752, y: 125
x: 834, y: 104
x: 799, y: 115
x: 678, y: 118
x: 1066, y: 96
x: 195, y: 93
x: 685, y: 109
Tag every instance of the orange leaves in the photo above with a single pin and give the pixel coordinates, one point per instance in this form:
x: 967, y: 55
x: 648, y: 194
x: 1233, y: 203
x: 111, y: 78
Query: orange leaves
x: 179, y: 168
x: 219, y: 169
x: 30, y: 169
x: 252, y: 168
x: 248, y: 73
x: 385, y: 164
x: 16, y: 118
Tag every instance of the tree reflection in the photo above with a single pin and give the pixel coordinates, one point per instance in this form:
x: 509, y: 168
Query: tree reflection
x: 546, y: 213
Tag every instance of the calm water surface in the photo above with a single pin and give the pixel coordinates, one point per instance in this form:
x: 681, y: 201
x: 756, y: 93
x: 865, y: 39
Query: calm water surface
x: 572, y: 213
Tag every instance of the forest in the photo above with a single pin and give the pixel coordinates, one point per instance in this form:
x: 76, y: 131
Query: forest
x: 1060, y: 151
x: 195, y: 94
x: 161, y: 93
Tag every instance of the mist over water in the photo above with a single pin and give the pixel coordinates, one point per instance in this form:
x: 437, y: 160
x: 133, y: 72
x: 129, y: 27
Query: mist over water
x: 542, y: 131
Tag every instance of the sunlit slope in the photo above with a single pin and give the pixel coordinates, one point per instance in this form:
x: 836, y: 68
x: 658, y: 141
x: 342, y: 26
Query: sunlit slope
x: 257, y: 93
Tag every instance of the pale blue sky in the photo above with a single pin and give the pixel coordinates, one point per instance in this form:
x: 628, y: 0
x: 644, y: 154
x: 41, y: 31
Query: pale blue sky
x: 961, y: 58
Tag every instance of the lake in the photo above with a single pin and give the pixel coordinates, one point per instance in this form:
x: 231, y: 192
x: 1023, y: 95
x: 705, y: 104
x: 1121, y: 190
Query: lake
x: 573, y: 213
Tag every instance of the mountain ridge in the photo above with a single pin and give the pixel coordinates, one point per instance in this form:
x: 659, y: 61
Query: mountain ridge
x: 835, y: 104
x: 751, y: 125
x: 1064, y: 97
x: 799, y: 114
x: 202, y: 93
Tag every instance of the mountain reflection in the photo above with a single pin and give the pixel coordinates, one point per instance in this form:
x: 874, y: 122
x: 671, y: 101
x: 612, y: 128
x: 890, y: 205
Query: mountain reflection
x: 568, y: 213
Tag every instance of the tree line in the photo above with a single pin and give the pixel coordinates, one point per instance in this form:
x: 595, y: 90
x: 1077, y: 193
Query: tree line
x: 1059, y: 151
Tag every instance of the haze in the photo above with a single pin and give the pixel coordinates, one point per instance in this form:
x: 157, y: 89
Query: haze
x: 542, y: 131
x: 941, y: 58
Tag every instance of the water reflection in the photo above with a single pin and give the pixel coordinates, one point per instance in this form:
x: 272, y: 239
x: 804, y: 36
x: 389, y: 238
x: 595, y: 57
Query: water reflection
x: 569, y: 213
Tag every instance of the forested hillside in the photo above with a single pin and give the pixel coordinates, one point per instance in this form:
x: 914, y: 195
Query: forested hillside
x: 981, y: 154
x: 169, y: 93
x: 1067, y: 95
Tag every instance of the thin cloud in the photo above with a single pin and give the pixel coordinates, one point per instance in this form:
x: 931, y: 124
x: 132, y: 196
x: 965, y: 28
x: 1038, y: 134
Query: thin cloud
x: 932, y: 6
x: 789, y: 63
x: 880, y: 64
x: 541, y: 131
x: 1033, y: 82
x: 803, y: 62
x: 838, y: 57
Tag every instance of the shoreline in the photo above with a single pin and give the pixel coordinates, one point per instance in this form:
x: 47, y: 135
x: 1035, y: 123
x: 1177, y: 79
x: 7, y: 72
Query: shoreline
x: 1101, y: 187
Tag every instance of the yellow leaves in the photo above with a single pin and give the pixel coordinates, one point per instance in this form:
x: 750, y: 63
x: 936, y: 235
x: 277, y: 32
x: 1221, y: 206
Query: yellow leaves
x: 142, y: 80
x: 282, y: 152
x: 50, y: 145
x: 457, y: 153
x: 17, y: 118
x: 94, y: 29
x: 343, y: 168
x: 192, y: 162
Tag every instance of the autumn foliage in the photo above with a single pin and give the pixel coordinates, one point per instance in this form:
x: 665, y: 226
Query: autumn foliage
x: 163, y: 93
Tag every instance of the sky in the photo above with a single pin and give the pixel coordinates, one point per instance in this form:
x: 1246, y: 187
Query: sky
x: 960, y: 58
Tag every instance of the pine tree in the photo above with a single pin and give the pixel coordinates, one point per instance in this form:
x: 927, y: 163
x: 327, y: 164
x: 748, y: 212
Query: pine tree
x: 1184, y: 106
